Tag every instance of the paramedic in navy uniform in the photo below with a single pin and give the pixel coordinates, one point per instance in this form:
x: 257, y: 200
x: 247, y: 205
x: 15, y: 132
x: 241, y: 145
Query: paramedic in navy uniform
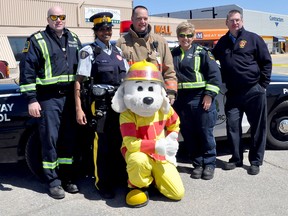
x: 47, y: 75
x: 199, y: 82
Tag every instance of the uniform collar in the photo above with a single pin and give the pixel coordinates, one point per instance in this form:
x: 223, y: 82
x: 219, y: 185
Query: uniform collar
x: 238, y: 35
x: 102, y: 45
x: 140, y: 35
x: 52, y: 32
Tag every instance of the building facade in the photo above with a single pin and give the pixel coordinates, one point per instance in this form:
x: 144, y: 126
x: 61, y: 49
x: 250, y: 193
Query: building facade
x: 210, y: 25
x: 21, y: 18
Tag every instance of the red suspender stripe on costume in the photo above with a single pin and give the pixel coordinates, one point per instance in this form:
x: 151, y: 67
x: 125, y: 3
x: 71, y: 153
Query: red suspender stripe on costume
x: 172, y: 123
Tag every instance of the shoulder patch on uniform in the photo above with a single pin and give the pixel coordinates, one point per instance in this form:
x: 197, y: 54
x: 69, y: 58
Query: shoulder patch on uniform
x: 26, y: 46
x: 210, y: 55
x: 84, y: 54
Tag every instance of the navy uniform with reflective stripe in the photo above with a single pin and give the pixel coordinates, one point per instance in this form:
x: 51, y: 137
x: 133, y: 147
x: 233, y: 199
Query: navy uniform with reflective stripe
x: 198, y: 75
x: 47, y: 76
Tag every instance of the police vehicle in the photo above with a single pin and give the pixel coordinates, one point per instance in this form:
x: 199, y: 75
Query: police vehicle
x: 19, y: 139
x: 277, y: 111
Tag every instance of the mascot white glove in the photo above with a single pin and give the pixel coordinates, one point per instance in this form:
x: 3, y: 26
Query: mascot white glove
x: 168, y: 147
x: 161, y: 146
x: 172, y: 144
x: 172, y: 147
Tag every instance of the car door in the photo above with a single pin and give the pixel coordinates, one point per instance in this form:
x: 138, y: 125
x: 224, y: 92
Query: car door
x: 13, y: 116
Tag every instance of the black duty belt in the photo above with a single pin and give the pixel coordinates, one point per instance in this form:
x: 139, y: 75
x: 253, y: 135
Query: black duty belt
x: 55, y: 90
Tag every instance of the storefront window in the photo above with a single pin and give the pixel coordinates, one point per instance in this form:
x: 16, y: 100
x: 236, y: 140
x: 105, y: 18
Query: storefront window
x: 17, y: 45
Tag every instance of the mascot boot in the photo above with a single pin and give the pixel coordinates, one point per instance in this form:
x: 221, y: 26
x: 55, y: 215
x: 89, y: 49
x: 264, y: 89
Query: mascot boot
x: 137, y: 198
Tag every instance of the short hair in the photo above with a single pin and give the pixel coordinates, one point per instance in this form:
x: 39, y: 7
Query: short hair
x: 184, y: 26
x: 136, y: 7
x: 234, y: 11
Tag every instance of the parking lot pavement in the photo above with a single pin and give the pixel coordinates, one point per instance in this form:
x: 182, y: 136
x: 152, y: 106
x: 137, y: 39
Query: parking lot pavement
x: 280, y: 64
x: 228, y: 193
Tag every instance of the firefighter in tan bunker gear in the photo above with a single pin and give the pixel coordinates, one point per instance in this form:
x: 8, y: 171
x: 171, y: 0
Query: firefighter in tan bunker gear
x: 141, y: 44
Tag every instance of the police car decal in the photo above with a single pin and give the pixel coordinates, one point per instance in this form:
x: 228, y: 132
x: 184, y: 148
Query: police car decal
x: 4, y: 111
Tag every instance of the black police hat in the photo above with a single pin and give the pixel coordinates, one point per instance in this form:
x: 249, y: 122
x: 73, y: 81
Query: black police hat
x: 101, y: 19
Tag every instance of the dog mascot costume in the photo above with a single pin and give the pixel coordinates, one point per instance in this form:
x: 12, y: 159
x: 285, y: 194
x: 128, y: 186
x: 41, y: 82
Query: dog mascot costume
x: 149, y: 127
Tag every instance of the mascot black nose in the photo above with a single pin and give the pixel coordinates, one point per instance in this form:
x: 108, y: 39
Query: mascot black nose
x: 148, y: 100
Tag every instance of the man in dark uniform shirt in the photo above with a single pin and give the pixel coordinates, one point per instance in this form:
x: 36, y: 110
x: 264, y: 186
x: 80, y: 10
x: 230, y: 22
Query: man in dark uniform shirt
x: 246, y: 69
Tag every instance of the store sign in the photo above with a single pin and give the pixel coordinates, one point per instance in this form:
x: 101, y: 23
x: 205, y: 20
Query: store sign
x: 91, y: 11
x: 199, y: 35
x: 277, y: 20
x: 209, y: 34
x: 162, y: 29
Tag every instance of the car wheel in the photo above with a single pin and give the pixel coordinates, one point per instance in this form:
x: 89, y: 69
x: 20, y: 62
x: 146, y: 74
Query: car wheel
x: 277, y: 131
x: 33, y: 155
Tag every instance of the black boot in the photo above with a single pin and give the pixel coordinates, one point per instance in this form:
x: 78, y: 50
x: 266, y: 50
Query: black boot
x: 197, y: 172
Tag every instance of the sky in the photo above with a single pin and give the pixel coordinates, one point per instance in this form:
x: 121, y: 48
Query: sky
x: 162, y: 6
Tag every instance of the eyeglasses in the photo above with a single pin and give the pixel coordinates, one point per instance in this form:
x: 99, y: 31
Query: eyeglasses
x: 55, y: 17
x: 234, y: 20
x: 182, y: 35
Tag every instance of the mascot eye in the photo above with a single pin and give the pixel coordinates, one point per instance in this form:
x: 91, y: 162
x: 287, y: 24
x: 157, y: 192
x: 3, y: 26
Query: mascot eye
x: 150, y: 88
x: 140, y: 88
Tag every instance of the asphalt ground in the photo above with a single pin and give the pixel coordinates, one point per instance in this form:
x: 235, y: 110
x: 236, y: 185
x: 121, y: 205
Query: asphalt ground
x: 228, y: 193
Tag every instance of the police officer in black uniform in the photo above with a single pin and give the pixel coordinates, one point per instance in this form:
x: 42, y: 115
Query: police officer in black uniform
x: 47, y: 79
x: 199, y: 82
x: 102, y: 63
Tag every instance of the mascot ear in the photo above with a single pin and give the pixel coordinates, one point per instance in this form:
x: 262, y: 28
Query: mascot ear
x: 118, y: 104
x: 166, y: 105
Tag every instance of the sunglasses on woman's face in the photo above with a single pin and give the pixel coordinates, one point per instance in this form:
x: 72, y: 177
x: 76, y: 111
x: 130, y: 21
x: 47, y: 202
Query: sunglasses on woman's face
x: 182, y: 35
x: 55, y: 17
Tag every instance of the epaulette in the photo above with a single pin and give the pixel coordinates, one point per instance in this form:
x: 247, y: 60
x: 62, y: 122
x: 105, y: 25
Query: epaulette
x: 33, y: 34
x: 208, y: 50
x: 27, y: 43
x: 96, y: 49
x: 73, y: 34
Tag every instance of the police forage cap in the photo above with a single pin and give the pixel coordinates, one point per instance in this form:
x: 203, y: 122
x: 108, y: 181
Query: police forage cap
x: 102, y: 19
x: 144, y: 70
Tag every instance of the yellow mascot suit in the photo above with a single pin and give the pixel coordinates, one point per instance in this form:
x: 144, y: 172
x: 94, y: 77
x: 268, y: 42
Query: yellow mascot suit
x: 149, y: 127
